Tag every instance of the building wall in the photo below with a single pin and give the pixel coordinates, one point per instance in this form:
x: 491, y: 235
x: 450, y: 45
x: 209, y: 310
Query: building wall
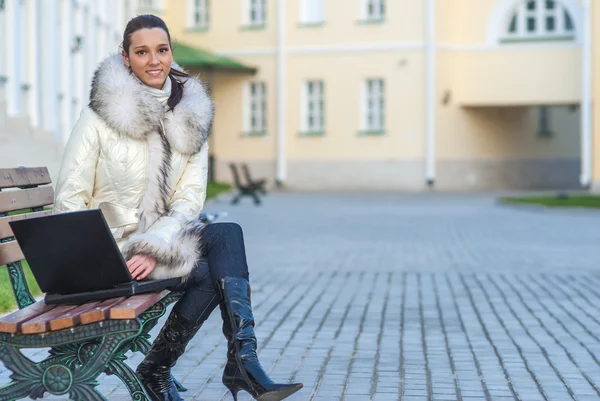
x: 596, y: 95
x: 486, y: 99
x: 50, y: 50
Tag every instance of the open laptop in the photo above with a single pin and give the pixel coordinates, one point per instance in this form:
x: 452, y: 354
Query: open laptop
x: 74, y: 258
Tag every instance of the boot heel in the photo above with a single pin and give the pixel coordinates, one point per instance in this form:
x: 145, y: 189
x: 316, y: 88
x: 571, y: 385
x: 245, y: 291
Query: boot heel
x: 234, y: 390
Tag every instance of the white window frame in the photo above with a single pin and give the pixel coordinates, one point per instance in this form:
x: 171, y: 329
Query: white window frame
x: 373, y: 10
x: 373, y: 105
x: 312, y: 11
x: 255, y: 108
x: 313, y: 106
x: 522, y: 15
x: 260, y: 11
x: 199, y: 8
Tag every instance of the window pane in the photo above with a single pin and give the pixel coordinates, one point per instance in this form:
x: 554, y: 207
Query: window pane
x: 531, y: 5
x: 550, y: 24
x: 531, y: 24
x: 550, y: 4
x: 513, y: 24
x: 568, y: 22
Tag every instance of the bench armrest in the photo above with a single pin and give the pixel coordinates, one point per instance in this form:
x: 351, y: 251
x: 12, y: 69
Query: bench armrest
x: 19, y: 285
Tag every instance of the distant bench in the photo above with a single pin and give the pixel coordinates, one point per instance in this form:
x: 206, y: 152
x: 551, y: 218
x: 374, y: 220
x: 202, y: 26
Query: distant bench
x: 250, y: 188
x: 86, y: 340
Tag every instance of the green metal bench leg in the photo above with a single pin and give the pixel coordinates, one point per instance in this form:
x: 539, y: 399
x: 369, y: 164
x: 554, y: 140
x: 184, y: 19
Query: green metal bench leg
x: 14, y: 391
x: 34, y: 379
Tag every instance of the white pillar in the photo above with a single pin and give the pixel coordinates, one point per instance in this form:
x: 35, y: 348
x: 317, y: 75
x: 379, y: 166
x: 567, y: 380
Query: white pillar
x: 101, y: 30
x: 50, y: 67
x: 586, y: 96
x: 112, y: 10
x: 3, y: 41
x: 15, y: 63
x: 79, y: 73
x: 119, y: 24
x: 430, y: 88
x: 281, y: 168
x: 34, y: 69
x: 67, y: 67
x: 90, y: 45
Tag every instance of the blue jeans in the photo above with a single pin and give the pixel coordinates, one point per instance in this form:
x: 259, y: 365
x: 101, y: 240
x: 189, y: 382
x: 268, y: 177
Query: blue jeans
x: 224, y: 255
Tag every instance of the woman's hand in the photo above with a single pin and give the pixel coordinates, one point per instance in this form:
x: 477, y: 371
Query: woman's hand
x: 140, y: 266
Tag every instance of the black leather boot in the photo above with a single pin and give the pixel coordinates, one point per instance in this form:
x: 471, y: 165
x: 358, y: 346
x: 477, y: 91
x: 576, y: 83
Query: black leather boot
x: 155, y: 370
x: 243, y: 370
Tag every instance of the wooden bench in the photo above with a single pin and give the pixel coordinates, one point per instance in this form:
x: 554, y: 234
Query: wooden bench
x: 258, y: 184
x: 243, y: 190
x: 85, y: 340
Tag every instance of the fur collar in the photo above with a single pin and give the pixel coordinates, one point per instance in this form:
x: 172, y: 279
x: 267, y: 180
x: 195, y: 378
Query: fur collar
x: 126, y: 106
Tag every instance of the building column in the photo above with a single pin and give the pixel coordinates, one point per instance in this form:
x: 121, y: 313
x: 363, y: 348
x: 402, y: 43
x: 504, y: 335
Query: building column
x: 50, y: 67
x: 586, y: 96
x: 89, y: 47
x: 15, y: 63
x: 595, y: 11
x: 34, y: 69
x: 79, y: 75
x: 281, y: 162
x: 3, y: 78
x: 101, y: 28
x: 430, y: 93
x: 67, y: 68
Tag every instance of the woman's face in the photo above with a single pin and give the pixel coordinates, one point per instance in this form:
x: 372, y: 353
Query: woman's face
x: 150, y: 56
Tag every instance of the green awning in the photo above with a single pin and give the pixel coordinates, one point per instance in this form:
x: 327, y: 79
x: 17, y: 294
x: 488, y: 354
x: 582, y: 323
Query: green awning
x: 187, y: 56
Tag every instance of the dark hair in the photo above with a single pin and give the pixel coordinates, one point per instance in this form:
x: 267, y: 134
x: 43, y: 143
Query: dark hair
x: 149, y: 21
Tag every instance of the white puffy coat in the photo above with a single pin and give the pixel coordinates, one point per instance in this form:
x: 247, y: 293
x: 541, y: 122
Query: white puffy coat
x: 143, y: 166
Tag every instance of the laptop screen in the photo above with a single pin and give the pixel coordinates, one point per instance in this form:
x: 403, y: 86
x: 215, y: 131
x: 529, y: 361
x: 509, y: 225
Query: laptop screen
x: 71, y: 252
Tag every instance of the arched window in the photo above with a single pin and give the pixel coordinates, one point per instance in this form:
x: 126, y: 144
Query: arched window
x: 539, y: 20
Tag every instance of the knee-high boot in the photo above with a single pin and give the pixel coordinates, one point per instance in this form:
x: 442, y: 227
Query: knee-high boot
x: 155, y: 370
x: 243, y: 370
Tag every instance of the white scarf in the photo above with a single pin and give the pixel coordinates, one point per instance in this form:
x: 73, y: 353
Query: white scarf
x: 162, y: 95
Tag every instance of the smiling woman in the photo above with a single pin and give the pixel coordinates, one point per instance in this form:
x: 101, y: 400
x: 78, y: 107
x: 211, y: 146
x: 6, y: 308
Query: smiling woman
x: 139, y: 153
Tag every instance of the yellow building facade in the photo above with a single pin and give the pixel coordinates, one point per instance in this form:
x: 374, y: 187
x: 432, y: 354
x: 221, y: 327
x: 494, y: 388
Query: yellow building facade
x: 402, y: 94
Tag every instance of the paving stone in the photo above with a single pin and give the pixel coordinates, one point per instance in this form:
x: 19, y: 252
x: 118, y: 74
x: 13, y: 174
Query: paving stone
x: 377, y: 297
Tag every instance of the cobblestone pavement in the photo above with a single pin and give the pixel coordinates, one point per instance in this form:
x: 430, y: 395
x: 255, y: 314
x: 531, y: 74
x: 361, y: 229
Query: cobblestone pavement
x: 412, y: 297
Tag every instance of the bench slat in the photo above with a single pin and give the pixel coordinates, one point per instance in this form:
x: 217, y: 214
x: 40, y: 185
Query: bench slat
x: 100, y: 312
x: 5, y: 230
x: 71, y: 318
x: 39, y: 324
x: 10, y: 252
x: 26, y: 198
x: 20, y: 177
x: 12, y: 323
x: 135, y: 305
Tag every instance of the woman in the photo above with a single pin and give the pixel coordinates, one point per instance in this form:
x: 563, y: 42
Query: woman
x: 139, y: 153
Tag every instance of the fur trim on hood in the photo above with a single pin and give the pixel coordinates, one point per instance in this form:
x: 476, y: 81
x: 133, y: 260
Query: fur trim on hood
x: 125, y: 105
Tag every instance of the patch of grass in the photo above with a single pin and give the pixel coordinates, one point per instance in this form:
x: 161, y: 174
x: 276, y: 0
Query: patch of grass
x: 215, y: 188
x: 560, y: 200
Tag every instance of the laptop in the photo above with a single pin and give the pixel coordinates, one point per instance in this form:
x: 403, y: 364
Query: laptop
x: 75, y: 258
